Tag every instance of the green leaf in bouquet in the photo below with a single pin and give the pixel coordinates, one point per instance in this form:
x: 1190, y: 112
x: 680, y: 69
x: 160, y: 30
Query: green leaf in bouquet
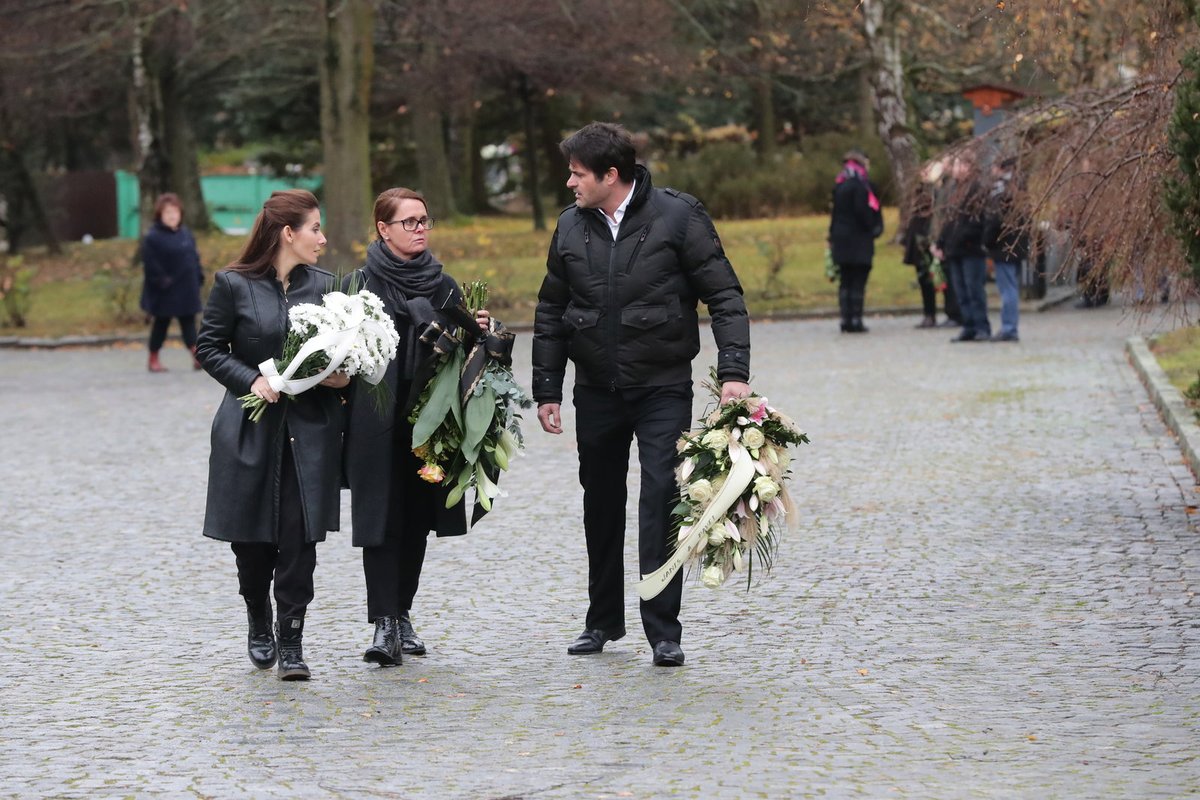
x: 499, y: 455
x: 459, y: 486
x: 455, y: 494
x: 443, y: 399
x: 480, y: 410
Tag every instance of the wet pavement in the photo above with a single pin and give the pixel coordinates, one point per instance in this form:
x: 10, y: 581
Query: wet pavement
x: 989, y: 592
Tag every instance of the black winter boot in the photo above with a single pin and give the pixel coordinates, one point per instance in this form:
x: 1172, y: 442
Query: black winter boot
x: 260, y: 642
x: 291, y: 650
x: 385, y: 649
x: 844, y: 306
x: 410, y: 643
x: 857, y: 299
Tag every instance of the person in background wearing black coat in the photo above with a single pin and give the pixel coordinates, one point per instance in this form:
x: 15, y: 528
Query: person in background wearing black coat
x: 273, y: 485
x: 916, y: 251
x: 625, y: 269
x: 855, y: 223
x: 392, y: 508
x: 172, y: 278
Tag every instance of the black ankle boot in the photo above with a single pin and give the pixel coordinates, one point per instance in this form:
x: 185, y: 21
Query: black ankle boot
x: 291, y: 650
x: 385, y: 649
x: 410, y: 643
x: 260, y: 643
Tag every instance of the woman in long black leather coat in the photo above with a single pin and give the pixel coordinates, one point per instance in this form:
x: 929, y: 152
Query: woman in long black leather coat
x: 273, y: 485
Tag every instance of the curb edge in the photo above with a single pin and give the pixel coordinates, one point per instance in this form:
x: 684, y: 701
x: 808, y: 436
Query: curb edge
x: 1168, y: 400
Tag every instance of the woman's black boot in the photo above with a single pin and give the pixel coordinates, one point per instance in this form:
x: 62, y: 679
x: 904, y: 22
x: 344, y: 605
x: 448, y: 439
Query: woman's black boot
x: 385, y: 649
x: 844, y: 306
x: 260, y: 642
x: 291, y: 650
x: 410, y: 643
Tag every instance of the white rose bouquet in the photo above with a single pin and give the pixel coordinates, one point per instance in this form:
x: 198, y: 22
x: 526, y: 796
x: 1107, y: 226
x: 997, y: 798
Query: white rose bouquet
x: 351, y: 332
x: 733, y: 498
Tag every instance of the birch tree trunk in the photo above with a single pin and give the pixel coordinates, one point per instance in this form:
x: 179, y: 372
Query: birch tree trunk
x: 886, y: 76
x: 345, y: 68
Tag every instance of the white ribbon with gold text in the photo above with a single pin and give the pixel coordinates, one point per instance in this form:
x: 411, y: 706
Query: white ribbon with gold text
x: 741, y: 473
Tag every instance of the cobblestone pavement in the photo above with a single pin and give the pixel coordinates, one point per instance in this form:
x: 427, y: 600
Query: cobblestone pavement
x: 990, y: 593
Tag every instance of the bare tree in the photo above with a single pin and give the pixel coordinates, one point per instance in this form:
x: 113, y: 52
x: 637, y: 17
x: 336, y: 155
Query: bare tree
x: 886, y: 77
x: 346, y: 66
x: 1095, y: 162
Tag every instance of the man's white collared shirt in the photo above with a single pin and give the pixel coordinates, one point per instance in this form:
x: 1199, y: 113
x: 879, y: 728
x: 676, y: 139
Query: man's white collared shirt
x: 614, y: 222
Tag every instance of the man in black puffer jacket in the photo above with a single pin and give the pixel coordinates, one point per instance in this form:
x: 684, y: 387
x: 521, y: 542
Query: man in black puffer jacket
x: 625, y: 270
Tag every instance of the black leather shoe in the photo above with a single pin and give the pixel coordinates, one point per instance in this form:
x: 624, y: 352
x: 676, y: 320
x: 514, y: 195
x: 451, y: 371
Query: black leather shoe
x: 385, y: 648
x: 668, y: 654
x: 592, y: 641
x: 260, y: 641
x: 291, y: 650
x: 963, y: 337
x: 410, y: 643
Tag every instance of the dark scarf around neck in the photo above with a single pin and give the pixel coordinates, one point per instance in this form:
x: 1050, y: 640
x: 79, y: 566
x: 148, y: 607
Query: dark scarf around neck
x: 410, y: 287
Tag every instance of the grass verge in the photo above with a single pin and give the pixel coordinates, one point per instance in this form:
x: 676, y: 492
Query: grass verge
x: 94, y: 289
x: 1178, y: 353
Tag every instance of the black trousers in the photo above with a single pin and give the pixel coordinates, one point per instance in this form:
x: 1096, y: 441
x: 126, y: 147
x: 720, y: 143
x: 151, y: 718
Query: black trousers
x: 158, y: 331
x: 393, y: 569
x: 607, y: 422
x: 852, y: 291
x: 291, y: 561
x: 928, y: 291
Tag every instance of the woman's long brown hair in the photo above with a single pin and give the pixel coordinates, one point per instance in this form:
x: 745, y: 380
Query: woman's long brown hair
x: 283, y: 209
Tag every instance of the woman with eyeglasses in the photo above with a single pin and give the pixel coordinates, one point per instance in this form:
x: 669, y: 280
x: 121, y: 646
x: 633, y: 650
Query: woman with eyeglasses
x: 392, y: 508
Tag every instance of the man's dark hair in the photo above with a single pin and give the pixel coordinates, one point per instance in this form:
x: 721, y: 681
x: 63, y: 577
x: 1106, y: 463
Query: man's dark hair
x: 600, y: 145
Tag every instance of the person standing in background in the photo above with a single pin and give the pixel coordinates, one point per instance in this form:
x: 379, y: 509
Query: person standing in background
x: 916, y: 251
x: 1006, y: 239
x: 960, y: 246
x: 172, y: 278
x: 854, y: 224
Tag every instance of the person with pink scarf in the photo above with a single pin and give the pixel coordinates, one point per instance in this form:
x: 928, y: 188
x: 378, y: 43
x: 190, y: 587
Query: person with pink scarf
x: 856, y: 221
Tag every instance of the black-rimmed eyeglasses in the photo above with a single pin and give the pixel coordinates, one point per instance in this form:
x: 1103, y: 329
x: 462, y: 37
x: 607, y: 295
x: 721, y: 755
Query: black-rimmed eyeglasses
x: 411, y: 223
